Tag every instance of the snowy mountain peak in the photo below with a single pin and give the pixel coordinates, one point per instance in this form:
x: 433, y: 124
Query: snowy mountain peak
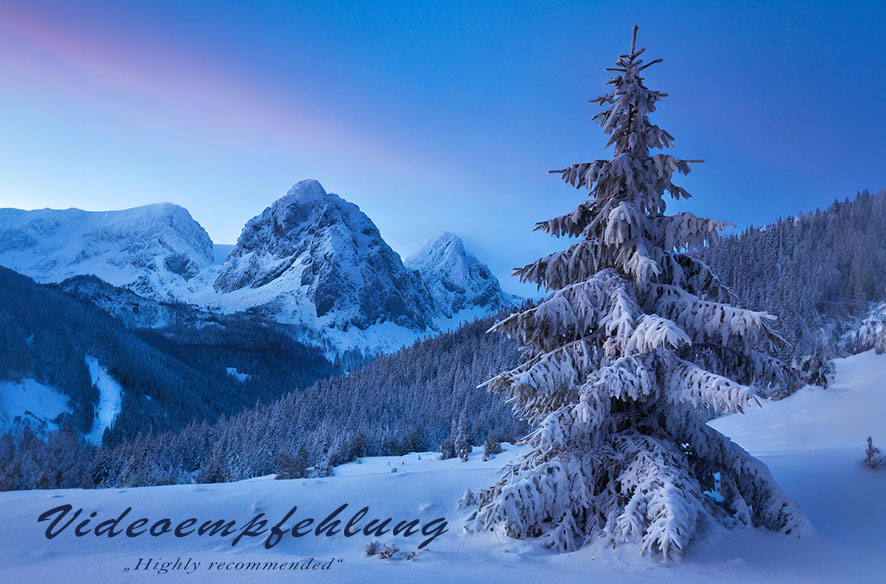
x: 314, y: 258
x: 150, y: 249
x: 310, y: 259
x: 307, y: 190
x: 443, y: 248
x: 456, y: 279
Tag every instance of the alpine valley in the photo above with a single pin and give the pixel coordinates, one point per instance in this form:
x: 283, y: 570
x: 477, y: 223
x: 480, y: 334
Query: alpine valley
x: 310, y: 290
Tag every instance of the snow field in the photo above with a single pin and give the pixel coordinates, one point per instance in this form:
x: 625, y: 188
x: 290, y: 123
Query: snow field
x: 810, y: 441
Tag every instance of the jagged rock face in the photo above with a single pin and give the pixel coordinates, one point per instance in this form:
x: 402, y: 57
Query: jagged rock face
x: 132, y: 310
x: 314, y: 244
x: 151, y: 250
x: 311, y: 261
x: 456, y: 279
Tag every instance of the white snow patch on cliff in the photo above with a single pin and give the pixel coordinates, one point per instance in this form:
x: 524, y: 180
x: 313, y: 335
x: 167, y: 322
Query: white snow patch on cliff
x: 241, y: 377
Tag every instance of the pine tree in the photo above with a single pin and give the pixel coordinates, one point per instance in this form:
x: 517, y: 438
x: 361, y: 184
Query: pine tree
x: 293, y: 467
x: 463, y: 446
x: 491, y: 447
x: 634, y: 337
x: 447, y: 447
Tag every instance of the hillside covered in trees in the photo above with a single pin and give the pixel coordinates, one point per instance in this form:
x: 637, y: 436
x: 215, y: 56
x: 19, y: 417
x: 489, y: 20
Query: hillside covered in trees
x: 819, y: 271
x: 408, y: 401
x: 170, y: 377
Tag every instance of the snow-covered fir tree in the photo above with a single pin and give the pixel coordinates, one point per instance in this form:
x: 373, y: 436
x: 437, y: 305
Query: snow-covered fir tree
x: 634, y: 338
x: 463, y: 447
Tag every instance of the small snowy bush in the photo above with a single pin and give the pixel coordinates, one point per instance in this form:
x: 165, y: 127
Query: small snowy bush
x: 815, y: 368
x: 873, y: 457
x: 386, y: 552
x: 491, y: 447
x: 462, y: 444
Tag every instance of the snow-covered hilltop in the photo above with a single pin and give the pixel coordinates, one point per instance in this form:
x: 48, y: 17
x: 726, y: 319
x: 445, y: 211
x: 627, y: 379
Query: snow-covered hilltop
x: 311, y: 259
x: 150, y: 250
x: 457, y: 280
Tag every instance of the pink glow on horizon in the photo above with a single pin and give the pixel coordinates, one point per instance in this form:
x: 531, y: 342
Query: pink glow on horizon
x: 147, y: 83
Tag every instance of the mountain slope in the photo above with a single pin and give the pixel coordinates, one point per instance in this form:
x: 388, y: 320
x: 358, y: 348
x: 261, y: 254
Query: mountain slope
x: 312, y: 256
x: 311, y: 261
x: 457, y: 280
x: 151, y: 250
x: 815, y: 271
x: 169, y: 377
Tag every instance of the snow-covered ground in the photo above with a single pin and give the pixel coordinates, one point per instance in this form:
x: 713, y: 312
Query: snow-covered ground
x: 813, y: 442
x: 234, y: 372
x: 31, y: 402
x: 110, y: 400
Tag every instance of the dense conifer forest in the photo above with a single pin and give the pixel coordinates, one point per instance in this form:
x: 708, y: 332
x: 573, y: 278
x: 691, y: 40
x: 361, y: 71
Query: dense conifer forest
x: 185, y: 418
x: 170, y: 377
x: 819, y: 272
x: 408, y: 401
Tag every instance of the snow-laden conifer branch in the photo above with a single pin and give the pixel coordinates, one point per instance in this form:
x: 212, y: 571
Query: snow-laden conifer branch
x: 569, y: 225
x: 770, y: 505
x: 709, y: 322
x: 664, y: 500
x: 756, y: 368
x: 625, y: 170
x: 684, y: 229
x: 694, y: 276
x: 546, y: 381
x: 625, y: 379
x: 686, y: 382
x: 635, y: 336
x: 574, y: 311
x: 637, y: 259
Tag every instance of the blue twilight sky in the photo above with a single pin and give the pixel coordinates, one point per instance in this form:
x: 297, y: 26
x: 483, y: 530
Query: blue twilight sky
x: 430, y: 116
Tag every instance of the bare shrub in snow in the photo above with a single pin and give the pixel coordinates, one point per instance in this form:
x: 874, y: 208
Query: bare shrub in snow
x: 386, y: 552
x: 872, y: 455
